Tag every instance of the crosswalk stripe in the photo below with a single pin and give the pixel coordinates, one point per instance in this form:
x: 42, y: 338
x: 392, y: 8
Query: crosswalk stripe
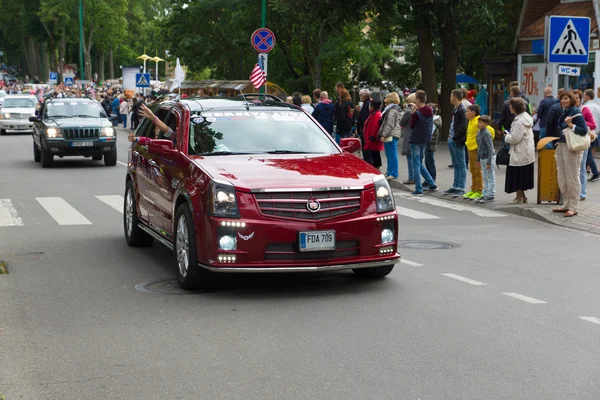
x: 115, y: 201
x: 8, y: 214
x: 479, y: 211
x: 524, y: 298
x: 411, y: 263
x: 62, y: 212
x: 407, y: 212
x: 463, y: 279
x: 593, y: 320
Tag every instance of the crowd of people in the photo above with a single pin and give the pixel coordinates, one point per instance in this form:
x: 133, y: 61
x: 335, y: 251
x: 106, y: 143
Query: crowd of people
x: 413, y: 133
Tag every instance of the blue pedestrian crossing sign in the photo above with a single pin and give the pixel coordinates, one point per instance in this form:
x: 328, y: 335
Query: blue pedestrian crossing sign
x: 69, y: 81
x: 568, y: 40
x: 142, y: 80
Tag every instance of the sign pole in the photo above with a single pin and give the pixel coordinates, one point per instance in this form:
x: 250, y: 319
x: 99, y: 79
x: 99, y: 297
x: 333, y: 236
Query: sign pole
x: 264, y: 25
x: 82, y: 75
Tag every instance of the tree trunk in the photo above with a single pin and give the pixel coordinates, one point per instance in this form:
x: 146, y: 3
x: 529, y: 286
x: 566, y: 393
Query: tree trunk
x: 101, y: 66
x: 87, y: 56
x: 61, y: 56
x: 450, y: 51
x: 111, y: 64
x: 426, y: 55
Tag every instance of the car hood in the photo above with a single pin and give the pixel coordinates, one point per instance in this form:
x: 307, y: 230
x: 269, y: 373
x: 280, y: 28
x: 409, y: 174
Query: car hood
x: 81, y: 122
x: 252, y: 172
x: 19, y: 110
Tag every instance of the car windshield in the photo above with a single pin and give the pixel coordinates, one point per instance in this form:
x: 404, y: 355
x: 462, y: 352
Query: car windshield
x: 74, y: 109
x: 18, y: 103
x: 257, y: 132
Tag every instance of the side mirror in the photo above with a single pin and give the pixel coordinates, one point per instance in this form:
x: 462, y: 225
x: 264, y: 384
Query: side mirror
x: 162, y: 147
x: 34, y: 119
x: 350, y: 145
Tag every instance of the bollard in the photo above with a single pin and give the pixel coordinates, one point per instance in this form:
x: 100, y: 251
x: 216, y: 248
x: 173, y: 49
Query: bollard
x: 547, y: 184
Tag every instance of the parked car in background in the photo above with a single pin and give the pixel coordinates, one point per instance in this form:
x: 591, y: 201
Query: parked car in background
x: 15, y: 113
x: 2, y: 96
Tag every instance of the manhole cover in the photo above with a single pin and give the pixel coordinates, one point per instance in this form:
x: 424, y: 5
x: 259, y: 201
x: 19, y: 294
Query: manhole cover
x: 165, y: 286
x: 426, y: 245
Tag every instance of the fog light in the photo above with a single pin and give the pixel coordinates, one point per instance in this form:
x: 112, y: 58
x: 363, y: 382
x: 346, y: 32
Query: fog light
x: 226, y: 258
x: 387, y: 236
x: 386, y: 218
x: 227, y: 242
x: 233, y: 224
x: 384, y: 251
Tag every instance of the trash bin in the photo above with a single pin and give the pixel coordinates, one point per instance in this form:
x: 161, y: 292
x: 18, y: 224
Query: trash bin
x: 547, y: 184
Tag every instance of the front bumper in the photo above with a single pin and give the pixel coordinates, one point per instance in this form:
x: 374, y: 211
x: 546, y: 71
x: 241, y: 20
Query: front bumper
x: 16, y: 125
x: 270, y: 269
x: 64, y: 147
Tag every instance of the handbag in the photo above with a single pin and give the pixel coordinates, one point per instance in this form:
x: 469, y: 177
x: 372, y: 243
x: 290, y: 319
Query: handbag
x: 574, y: 141
x: 502, y: 157
x: 388, y: 139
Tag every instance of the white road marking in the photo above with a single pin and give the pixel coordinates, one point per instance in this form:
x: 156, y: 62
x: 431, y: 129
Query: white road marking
x: 593, y: 320
x: 481, y: 212
x: 407, y: 212
x: 524, y: 298
x: 62, y: 212
x: 463, y: 279
x: 411, y: 263
x: 122, y: 163
x: 115, y: 201
x: 8, y: 214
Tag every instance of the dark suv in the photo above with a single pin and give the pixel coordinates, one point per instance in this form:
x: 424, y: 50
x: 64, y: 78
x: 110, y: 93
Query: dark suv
x: 73, y: 127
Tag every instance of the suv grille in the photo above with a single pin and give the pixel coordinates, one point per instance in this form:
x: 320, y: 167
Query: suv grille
x: 81, y: 133
x: 287, y: 252
x: 294, y: 205
x: 19, y: 116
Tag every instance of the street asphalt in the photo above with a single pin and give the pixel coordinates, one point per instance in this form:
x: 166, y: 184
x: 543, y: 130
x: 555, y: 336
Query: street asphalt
x: 509, y: 308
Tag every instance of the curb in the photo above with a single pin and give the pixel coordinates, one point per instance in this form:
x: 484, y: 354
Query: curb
x: 529, y: 211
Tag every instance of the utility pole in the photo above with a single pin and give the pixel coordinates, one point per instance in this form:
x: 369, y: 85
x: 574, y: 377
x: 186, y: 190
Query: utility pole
x: 81, y: 68
x: 263, y: 24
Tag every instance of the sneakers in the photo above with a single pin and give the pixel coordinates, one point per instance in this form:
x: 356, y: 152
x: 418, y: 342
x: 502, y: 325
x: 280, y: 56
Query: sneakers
x: 475, y: 196
x: 595, y: 178
x: 484, y: 199
x: 417, y: 194
x: 425, y: 185
x: 449, y: 191
x: 468, y: 195
x: 457, y: 193
x: 432, y: 188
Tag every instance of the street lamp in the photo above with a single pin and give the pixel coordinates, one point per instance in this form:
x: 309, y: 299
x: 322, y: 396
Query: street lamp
x: 156, y: 60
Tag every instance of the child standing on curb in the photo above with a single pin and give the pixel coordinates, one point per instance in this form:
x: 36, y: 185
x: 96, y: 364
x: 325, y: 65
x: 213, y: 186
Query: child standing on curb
x: 485, y: 159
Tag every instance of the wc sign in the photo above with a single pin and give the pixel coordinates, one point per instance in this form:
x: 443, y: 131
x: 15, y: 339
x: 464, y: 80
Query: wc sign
x: 566, y: 70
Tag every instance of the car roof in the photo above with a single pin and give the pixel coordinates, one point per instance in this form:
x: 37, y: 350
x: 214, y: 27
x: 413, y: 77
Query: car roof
x: 201, y: 104
x: 77, y: 99
x: 21, y: 96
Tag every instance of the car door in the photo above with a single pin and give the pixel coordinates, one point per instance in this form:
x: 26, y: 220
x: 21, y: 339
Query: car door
x: 38, y: 127
x: 165, y: 173
x: 143, y: 169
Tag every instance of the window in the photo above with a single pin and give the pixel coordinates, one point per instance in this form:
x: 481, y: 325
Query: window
x: 256, y: 132
x: 147, y: 128
x: 74, y: 109
x: 18, y: 103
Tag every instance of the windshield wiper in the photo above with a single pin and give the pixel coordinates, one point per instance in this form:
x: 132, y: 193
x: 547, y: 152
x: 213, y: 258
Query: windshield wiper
x: 223, y: 153
x: 84, y: 116
x: 289, y: 152
x: 58, y: 116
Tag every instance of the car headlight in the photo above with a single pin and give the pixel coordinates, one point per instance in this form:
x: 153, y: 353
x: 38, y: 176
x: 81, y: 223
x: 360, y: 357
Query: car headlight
x: 107, y: 132
x: 383, y: 195
x: 222, y: 200
x: 6, y: 116
x: 53, y: 133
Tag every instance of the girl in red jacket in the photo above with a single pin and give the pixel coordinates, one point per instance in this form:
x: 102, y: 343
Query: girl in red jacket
x: 373, y: 146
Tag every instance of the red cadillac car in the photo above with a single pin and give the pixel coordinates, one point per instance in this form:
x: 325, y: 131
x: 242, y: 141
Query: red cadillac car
x: 247, y: 187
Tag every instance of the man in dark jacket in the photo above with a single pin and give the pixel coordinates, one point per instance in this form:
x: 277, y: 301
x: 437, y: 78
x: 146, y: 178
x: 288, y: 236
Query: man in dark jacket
x: 506, y: 117
x: 554, y: 113
x: 544, y: 107
x: 458, y: 138
x: 421, y: 123
x: 324, y: 111
x: 365, y: 97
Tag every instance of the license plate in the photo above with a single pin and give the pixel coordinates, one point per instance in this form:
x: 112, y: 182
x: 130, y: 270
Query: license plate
x: 317, y: 241
x: 82, y: 144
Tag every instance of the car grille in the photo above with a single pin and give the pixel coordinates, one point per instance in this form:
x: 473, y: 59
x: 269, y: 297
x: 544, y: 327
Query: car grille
x: 20, y: 116
x: 287, y: 252
x: 81, y: 133
x: 294, y: 205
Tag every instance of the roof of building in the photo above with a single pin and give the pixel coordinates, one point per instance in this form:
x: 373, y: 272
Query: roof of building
x: 574, y: 9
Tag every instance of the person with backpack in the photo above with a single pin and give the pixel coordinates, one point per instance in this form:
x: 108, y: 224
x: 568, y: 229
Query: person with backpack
x: 344, y: 116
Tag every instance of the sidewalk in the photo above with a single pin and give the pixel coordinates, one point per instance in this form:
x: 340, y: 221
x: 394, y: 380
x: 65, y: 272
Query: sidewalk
x: 588, y: 218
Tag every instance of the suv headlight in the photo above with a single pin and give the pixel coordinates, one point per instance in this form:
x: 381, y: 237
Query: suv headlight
x: 383, y: 195
x: 53, y: 133
x: 107, y: 132
x: 222, y: 200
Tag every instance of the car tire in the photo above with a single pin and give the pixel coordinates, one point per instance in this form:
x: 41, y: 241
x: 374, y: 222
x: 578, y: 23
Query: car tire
x: 97, y: 157
x: 110, y: 159
x: 374, y: 272
x: 189, y: 274
x: 134, y: 235
x: 2, y: 132
x: 37, y: 156
x: 46, y: 158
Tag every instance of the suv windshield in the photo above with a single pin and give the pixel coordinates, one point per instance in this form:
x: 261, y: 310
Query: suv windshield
x: 18, y: 103
x: 74, y: 109
x: 256, y: 132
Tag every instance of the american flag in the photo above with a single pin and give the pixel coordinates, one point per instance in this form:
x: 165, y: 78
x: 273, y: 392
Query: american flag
x: 257, y: 77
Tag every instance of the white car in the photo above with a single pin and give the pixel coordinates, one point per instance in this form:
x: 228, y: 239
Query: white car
x: 15, y: 113
x: 2, y: 96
